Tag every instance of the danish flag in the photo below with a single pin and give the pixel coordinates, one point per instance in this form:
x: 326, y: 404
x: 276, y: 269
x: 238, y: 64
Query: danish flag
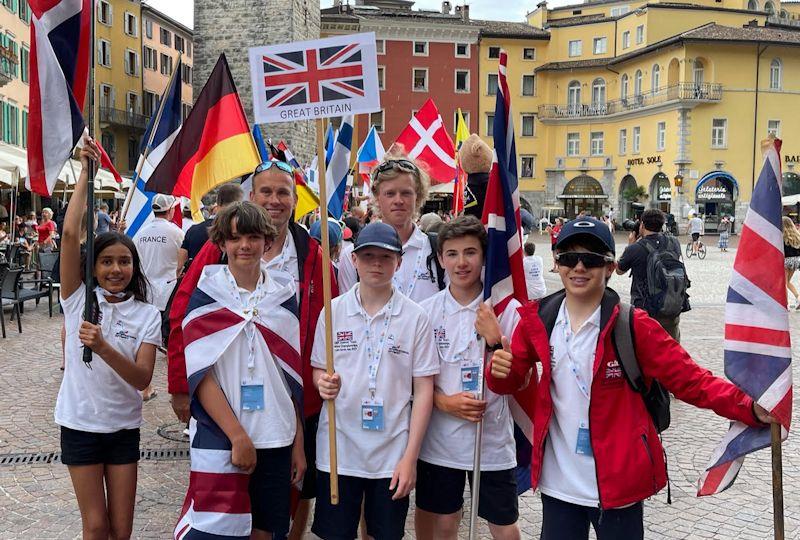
x: 313, y: 75
x: 426, y: 140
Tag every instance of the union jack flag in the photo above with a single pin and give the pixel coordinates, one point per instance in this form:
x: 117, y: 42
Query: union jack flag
x: 217, y: 503
x: 758, y: 353
x: 504, y: 273
x: 315, y: 75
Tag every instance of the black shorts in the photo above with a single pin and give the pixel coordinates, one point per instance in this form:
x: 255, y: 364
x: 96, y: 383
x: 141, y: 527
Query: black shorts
x: 440, y: 490
x: 309, y: 490
x: 695, y: 236
x: 386, y: 519
x: 86, y: 448
x: 270, y: 485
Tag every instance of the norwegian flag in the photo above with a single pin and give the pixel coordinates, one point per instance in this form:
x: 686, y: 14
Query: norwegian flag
x: 217, y: 503
x: 758, y: 353
x: 315, y: 75
x: 59, y: 69
x: 426, y: 140
x: 504, y: 275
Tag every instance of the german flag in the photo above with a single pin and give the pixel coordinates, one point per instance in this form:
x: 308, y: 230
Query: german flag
x: 214, y: 145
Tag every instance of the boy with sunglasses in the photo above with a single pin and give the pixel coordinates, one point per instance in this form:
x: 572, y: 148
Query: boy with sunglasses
x: 596, y: 452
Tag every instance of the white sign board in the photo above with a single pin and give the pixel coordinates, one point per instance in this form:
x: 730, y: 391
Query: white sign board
x: 315, y: 79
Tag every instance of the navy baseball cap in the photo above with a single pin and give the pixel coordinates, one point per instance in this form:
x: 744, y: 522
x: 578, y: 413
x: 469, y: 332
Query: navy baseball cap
x: 334, y: 232
x: 379, y: 235
x: 586, y: 226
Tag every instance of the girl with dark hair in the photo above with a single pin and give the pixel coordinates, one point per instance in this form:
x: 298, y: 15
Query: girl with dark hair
x: 99, y: 407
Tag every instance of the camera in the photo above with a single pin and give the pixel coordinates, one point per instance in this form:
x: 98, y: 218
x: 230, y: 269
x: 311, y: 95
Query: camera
x: 631, y: 225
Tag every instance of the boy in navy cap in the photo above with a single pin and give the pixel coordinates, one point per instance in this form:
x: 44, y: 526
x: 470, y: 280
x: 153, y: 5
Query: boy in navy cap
x: 383, y: 351
x: 596, y: 452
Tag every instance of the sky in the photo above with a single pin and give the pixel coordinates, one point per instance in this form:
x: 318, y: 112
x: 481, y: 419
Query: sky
x: 499, y: 10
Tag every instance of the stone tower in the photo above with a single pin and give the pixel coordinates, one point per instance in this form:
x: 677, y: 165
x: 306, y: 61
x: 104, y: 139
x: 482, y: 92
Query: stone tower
x: 233, y: 26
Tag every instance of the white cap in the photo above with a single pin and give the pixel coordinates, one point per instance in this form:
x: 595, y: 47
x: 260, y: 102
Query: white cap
x: 162, y: 203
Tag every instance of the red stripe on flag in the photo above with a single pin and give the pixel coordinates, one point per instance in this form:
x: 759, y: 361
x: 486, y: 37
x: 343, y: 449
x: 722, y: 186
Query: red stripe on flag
x: 752, y: 334
x: 36, y: 172
x: 757, y: 261
x: 338, y: 55
x: 713, y: 480
x: 783, y: 410
x: 276, y: 63
x: 84, y: 53
x: 281, y: 348
x: 208, y: 324
x: 224, y: 493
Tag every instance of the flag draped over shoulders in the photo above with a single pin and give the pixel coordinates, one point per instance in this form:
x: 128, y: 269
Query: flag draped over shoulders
x: 217, y: 501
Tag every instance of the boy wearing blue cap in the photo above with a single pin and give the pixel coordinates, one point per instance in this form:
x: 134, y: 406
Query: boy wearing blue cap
x: 596, y: 452
x: 383, y: 352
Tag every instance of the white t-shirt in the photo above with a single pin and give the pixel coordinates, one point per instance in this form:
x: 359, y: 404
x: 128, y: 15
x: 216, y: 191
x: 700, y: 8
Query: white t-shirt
x: 275, y: 425
x: 696, y: 225
x: 449, y: 441
x: 413, y: 279
x: 408, y: 352
x: 566, y: 474
x: 98, y: 400
x: 534, y: 277
x: 158, y: 243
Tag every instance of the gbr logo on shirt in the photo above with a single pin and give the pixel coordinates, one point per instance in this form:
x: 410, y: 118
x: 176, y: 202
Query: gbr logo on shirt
x: 345, y: 341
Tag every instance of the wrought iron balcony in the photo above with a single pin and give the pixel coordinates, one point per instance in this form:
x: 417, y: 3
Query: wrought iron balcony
x: 118, y: 117
x: 9, y: 63
x: 681, y: 92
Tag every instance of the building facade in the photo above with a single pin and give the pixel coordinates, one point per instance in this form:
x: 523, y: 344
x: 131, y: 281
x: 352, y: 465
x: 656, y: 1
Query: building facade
x: 164, y: 42
x: 15, y: 39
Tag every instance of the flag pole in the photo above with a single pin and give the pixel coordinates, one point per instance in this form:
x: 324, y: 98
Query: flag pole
x: 777, y: 482
x: 326, y: 294
x: 146, y: 152
x: 89, y: 268
x: 475, y: 490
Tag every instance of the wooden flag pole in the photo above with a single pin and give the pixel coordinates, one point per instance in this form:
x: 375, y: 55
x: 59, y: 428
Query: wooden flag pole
x: 777, y: 482
x: 475, y: 490
x: 326, y: 294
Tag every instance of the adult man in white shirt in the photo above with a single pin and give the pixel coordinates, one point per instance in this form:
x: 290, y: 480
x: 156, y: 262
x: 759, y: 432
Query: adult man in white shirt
x: 534, y: 277
x: 696, y: 227
x: 158, y: 243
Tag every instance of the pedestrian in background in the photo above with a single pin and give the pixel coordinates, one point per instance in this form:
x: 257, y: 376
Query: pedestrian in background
x: 724, y: 233
x: 103, y: 219
x: 553, y: 231
x: 791, y: 252
x: 534, y: 272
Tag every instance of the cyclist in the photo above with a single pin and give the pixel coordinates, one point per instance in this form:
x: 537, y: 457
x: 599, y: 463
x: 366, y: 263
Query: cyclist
x: 695, y: 228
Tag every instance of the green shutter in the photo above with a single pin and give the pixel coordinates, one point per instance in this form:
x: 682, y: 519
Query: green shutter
x: 24, y: 129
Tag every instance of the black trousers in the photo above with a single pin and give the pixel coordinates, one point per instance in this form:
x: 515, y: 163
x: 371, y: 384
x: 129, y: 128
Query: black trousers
x: 567, y: 521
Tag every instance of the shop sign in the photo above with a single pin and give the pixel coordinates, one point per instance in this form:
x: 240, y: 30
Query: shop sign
x: 649, y: 160
x: 713, y: 192
x: 792, y: 159
x: 664, y: 193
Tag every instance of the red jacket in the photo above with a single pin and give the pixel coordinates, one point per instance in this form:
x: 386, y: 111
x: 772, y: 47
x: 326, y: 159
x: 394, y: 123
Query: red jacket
x: 629, y: 459
x: 309, y: 261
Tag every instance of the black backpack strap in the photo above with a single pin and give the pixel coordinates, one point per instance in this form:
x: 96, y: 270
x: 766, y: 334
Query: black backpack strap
x: 435, y: 269
x: 626, y: 351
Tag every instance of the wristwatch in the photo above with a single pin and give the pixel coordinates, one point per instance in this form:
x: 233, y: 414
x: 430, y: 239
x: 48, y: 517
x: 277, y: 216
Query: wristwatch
x: 495, y: 347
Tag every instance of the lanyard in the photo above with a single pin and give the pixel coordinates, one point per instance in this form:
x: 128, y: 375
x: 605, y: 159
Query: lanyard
x: 573, y: 366
x: 409, y: 288
x: 280, y: 261
x: 462, y: 352
x: 250, y: 311
x: 374, y: 353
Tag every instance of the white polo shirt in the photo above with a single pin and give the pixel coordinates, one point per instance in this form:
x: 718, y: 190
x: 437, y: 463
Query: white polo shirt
x: 408, y: 352
x: 450, y: 440
x: 158, y: 243
x: 98, y: 400
x: 413, y: 279
x: 286, y: 263
x: 566, y: 474
x: 534, y: 276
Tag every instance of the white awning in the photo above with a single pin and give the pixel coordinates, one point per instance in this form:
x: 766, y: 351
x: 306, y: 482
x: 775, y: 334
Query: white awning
x: 14, y: 160
x: 445, y: 188
x: 7, y: 178
x: 790, y: 200
x: 103, y: 179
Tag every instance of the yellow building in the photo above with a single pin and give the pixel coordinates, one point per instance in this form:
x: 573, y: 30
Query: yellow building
x: 634, y: 94
x: 15, y: 39
x: 119, y: 119
x: 164, y: 40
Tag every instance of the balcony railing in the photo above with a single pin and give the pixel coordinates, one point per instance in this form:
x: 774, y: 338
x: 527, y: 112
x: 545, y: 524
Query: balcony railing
x: 689, y: 92
x: 9, y: 63
x: 117, y: 117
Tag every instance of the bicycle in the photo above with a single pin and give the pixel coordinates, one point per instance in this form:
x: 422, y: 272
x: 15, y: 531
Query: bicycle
x: 701, y: 250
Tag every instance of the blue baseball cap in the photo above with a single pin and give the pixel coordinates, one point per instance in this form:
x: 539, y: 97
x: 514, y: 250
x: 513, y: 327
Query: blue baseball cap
x: 379, y: 235
x: 334, y: 232
x: 587, y: 226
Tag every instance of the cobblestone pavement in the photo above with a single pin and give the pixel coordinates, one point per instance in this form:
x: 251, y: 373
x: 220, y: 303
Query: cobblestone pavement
x: 36, y: 500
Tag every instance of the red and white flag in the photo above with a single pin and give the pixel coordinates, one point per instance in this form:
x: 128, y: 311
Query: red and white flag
x: 426, y: 140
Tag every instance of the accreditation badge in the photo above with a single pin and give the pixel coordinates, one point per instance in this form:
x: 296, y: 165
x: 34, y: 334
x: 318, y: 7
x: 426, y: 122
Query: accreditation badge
x: 253, y: 394
x: 470, y: 375
x: 372, y: 414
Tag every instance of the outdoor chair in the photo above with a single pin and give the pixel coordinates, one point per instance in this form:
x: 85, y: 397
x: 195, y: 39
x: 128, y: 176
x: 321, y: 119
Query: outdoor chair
x: 9, y: 282
x: 43, y: 288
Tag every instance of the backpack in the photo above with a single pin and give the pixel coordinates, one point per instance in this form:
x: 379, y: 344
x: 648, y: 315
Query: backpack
x: 435, y: 269
x: 656, y: 398
x: 667, y: 281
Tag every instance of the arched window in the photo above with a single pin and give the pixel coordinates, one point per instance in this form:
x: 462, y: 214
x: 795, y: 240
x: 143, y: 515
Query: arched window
x: 784, y: 14
x: 698, y: 72
x: 775, y: 74
x: 769, y: 7
x: 752, y: 5
x: 637, y: 83
x: 656, y: 78
x: 574, y: 95
x: 623, y: 87
x: 598, y: 92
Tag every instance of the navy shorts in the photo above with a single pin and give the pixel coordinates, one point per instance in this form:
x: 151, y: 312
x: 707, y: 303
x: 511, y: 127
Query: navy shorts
x: 695, y: 236
x: 567, y: 521
x: 386, y: 519
x: 270, y: 485
x: 440, y: 490
x: 309, y: 490
x: 86, y: 448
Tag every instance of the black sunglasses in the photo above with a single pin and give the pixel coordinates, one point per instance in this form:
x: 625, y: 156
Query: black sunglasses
x: 589, y: 259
